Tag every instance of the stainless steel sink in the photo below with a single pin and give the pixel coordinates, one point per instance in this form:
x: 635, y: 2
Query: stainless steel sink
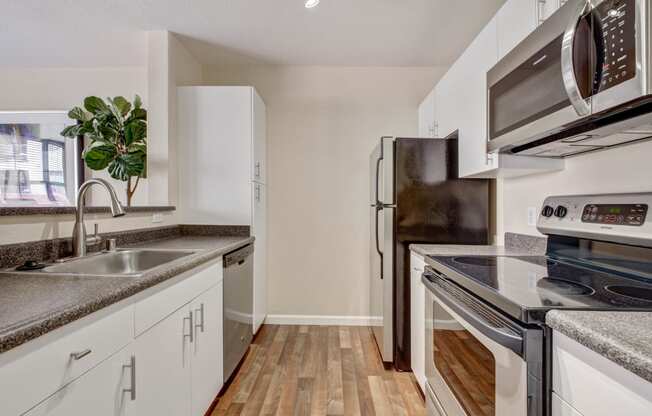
x: 122, y: 262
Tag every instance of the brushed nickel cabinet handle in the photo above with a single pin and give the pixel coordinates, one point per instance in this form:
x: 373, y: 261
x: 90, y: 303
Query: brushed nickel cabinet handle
x: 191, y: 326
x: 132, y: 388
x: 200, y: 311
x: 80, y: 354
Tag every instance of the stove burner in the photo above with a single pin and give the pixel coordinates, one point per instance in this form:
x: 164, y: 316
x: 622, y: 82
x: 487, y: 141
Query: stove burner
x: 634, y: 292
x: 476, y: 261
x: 564, y: 287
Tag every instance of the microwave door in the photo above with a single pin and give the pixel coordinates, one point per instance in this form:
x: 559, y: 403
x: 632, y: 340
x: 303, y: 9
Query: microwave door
x: 578, y: 58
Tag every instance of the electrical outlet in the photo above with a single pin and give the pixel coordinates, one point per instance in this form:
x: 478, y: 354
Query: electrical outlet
x: 157, y: 217
x: 531, y: 216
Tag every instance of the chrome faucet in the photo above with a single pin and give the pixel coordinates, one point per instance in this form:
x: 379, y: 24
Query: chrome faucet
x: 79, y: 237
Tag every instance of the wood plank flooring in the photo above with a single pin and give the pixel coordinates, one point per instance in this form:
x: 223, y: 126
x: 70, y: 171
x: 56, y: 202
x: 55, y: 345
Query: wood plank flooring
x: 318, y: 371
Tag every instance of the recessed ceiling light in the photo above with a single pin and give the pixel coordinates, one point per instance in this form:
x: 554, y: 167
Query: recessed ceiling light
x: 311, y: 3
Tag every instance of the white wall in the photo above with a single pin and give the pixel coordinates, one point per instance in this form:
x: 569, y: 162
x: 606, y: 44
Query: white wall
x: 622, y: 169
x: 63, y: 88
x: 169, y: 65
x: 322, y: 124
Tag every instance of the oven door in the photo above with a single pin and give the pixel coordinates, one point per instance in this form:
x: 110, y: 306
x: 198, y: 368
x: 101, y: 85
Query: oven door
x: 476, y: 361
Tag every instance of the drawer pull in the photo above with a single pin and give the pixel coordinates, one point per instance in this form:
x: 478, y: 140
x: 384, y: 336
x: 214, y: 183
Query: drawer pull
x: 201, y: 312
x: 79, y: 355
x: 132, y: 389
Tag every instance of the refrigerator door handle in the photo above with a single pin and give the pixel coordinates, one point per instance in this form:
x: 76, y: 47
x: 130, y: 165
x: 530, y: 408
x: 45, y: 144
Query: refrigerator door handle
x: 380, y: 253
x: 378, y: 162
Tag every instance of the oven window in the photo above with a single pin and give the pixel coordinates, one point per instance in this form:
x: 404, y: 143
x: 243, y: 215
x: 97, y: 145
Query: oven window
x: 467, y: 367
x: 533, y: 90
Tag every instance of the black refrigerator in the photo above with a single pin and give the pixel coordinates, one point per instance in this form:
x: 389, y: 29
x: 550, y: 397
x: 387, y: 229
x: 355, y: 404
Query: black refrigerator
x: 416, y: 197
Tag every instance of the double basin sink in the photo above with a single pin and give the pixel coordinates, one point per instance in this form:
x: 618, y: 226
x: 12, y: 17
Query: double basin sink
x: 123, y: 262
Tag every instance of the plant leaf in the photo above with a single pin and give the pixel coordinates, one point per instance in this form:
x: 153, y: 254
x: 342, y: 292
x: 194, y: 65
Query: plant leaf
x: 95, y: 105
x: 135, y: 131
x: 122, y: 104
x: 115, y: 111
x: 138, y: 103
x: 137, y: 114
x: 72, y: 131
x: 99, y: 154
x: 125, y: 166
x: 78, y: 113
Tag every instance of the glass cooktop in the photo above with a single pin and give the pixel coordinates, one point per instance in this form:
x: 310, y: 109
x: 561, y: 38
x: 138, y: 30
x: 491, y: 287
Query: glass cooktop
x: 527, y: 287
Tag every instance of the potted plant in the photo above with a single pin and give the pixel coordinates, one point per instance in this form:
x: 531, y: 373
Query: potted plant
x: 117, y: 133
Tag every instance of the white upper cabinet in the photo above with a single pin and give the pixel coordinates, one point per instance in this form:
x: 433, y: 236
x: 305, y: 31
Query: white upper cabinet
x: 460, y: 97
x: 259, y: 129
x: 428, y: 116
x: 518, y: 18
x: 221, y: 148
x: 515, y: 20
x: 471, y: 101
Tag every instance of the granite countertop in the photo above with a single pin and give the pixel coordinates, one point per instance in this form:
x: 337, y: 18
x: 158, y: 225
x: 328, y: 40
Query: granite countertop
x: 623, y: 337
x: 33, y: 304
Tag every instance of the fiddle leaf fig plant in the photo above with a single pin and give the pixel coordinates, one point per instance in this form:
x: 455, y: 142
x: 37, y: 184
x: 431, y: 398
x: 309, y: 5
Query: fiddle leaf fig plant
x: 117, y: 134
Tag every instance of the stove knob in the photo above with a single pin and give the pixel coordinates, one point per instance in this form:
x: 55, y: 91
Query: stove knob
x: 561, y: 211
x: 547, y: 211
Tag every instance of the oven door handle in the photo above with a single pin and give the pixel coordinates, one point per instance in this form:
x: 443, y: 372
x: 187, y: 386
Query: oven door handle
x: 582, y: 106
x: 478, y: 316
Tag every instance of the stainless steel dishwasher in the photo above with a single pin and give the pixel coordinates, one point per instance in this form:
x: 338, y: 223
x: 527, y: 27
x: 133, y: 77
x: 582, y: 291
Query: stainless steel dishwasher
x: 238, y: 306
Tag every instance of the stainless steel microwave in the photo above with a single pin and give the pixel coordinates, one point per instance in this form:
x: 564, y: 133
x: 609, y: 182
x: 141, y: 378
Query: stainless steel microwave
x: 580, y: 82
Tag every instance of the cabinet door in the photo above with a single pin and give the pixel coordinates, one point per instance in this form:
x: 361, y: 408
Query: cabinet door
x: 516, y: 19
x: 259, y: 120
x: 471, y: 101
x: 99, y: 392
x: 427, y: 116
x: 163, y: 367
x: 260, y: 255
x: 417, y: 319
x: 207, y: 372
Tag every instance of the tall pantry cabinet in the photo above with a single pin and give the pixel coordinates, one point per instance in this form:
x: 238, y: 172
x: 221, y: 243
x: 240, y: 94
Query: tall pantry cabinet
x: 222, y: 167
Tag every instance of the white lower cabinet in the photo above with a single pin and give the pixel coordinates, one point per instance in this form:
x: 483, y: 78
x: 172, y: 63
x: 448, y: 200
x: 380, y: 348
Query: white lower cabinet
x: 417, y: 319
x: 163, y: 366
x: 179, y: 360
x: 259, y: 230
x: 586, y: 383
x: 206, y: 349
x: 103, y: 391
x: 172, y: 366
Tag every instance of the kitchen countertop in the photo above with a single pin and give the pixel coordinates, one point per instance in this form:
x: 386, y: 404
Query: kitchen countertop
x: 466, y: 250
x: 33, y: 304
x: 623, y: 337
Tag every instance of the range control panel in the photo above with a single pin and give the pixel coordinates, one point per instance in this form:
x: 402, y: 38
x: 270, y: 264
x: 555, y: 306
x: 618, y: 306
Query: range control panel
x: 626, y: 214
x: 617, y: 23
x: 620, y: 218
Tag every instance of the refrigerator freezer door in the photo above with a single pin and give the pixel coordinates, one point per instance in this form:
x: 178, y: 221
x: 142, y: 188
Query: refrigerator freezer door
x: 381, y: 246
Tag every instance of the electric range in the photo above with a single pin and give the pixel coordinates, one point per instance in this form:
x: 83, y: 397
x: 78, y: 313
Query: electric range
x: 490, y: 310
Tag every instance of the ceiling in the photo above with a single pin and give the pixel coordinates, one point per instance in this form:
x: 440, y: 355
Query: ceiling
x: 337, y: 32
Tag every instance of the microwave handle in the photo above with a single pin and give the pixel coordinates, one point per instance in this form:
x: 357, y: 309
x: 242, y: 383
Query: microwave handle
x: 582, y: 107
x: 478, y: 316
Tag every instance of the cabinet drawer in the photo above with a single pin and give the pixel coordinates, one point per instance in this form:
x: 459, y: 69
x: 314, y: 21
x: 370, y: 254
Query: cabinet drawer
x: 35, y: 376
x: 594, y: 385
x: 161, y: 302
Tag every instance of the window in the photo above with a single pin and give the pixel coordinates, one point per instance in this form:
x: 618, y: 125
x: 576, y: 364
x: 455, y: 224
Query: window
x: 37, y: 165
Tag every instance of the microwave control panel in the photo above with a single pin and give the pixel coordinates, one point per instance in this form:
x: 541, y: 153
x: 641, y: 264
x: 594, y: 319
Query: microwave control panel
x: 616, y: 20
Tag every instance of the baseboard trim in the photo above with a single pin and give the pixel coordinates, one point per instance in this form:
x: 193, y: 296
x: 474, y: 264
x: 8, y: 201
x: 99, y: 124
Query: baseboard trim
x: 339, y: 320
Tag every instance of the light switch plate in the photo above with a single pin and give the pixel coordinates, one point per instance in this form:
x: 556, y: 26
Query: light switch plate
x: 531, y: 216
x: 157, y: 217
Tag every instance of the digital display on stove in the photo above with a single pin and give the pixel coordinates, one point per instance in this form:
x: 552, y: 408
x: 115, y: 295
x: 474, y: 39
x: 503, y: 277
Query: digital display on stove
x: 621, y: 214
